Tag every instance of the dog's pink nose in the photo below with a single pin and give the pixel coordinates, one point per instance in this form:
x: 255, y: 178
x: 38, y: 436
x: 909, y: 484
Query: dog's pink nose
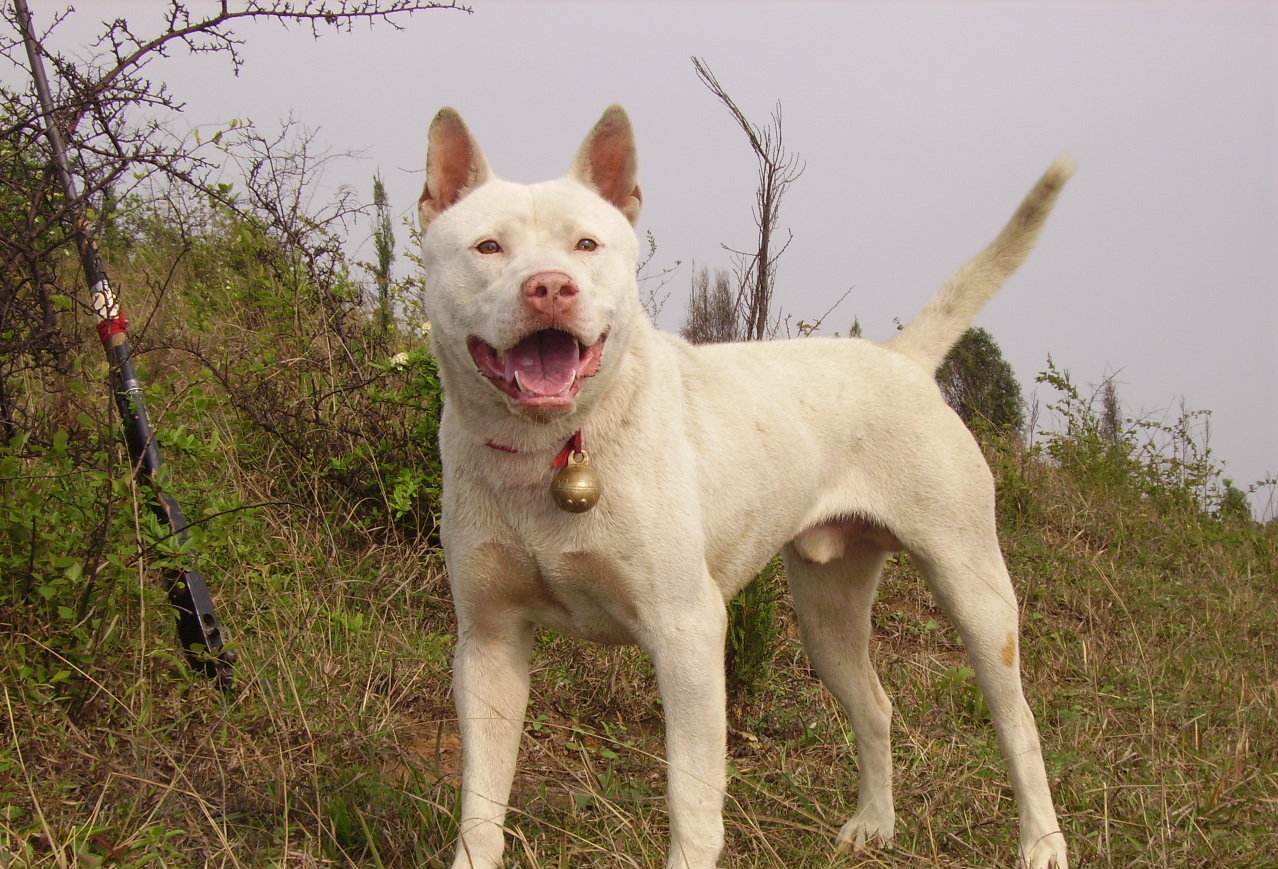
x: 550, y: 293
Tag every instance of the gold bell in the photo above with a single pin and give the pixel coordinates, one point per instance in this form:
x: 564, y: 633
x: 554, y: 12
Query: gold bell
x: 576, y: 487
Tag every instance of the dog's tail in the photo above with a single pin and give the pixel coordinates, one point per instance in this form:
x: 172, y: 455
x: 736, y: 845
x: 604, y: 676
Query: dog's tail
x: 933, y: 332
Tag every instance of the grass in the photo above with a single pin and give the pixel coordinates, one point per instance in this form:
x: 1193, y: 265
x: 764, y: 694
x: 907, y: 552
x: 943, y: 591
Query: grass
x: 1151, y: 673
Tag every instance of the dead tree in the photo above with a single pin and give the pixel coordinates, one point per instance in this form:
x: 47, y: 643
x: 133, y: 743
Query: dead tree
x: 777, y: 170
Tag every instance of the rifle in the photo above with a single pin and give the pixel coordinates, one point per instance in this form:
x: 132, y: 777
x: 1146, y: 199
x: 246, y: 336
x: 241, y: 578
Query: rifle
x: 199, y: 633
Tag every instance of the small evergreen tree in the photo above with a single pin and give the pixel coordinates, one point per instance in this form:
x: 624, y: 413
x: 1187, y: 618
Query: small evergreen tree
x: 713, y: 317
x: 384, y: 244
x: 1233, y: 503
x: 1111, y: 423
x: 979, y: 384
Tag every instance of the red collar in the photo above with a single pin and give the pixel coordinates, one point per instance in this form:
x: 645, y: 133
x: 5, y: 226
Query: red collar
x: 576, y: 444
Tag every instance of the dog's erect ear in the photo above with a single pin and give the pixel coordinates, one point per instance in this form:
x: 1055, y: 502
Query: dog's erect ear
x: 607, y: 162
x: 454, y: 165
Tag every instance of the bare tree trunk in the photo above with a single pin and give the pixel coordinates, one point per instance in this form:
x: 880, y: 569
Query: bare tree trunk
x: 778, y: 169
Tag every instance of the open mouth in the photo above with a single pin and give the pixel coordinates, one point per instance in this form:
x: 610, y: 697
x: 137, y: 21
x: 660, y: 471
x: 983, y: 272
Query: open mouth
x: 545, y: 369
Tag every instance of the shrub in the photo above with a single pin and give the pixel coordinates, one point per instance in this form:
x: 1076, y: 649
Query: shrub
x: 979, y: 383
x: 753, y: 631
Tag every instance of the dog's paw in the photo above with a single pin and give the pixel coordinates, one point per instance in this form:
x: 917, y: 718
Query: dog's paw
x: 1047, y: 852
x: 463, y: 861
x: 870, y: 826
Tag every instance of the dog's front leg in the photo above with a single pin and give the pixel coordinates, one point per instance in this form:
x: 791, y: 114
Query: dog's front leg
x: 490, y: 688
x: 686, y: 645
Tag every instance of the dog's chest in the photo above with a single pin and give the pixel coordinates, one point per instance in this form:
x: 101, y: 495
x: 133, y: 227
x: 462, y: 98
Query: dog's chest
x: 581, y: 593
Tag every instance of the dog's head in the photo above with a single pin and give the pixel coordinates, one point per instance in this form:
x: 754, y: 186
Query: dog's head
x: 530, y: 289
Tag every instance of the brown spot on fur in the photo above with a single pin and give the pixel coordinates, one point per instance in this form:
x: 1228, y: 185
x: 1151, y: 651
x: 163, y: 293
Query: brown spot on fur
x: 579, y: 593
x: 1009, y: 651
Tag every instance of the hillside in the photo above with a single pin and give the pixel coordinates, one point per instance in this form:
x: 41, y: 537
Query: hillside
x: 306, y: 457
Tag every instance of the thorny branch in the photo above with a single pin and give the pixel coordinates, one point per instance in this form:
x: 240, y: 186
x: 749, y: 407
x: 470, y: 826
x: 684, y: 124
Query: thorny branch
x: 112, y: 115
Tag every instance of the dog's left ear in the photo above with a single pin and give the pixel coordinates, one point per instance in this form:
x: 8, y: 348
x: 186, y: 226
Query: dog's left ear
x: 607, y: 162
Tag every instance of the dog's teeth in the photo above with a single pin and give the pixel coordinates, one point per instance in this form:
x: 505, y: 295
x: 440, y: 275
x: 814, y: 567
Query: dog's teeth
x: 567, y: 390
x: 519, y: 383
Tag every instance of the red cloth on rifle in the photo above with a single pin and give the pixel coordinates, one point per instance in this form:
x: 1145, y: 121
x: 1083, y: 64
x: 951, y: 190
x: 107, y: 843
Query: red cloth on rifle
x: 117, y: 325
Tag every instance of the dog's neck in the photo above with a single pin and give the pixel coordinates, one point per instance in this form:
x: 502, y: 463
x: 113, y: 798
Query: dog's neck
x: 576, y: 444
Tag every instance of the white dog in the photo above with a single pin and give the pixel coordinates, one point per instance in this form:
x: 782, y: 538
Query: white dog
x: 710, y: 460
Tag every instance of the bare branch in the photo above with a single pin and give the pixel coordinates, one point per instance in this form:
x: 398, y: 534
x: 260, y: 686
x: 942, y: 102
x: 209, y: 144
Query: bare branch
x: 655, y: 282
x: 777, y: 170
x: 113, y: 150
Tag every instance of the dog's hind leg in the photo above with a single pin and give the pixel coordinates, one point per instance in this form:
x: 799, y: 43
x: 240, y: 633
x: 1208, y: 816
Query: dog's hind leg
x: 833, y: 602
x: 967, y: 574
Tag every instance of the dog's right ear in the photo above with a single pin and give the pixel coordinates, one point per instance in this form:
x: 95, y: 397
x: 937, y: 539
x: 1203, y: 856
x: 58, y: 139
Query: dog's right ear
x: 454, y: 165
x: 607, y: 164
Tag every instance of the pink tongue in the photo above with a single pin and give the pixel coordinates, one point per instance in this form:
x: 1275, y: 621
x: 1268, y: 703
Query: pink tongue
x: 546, y: 361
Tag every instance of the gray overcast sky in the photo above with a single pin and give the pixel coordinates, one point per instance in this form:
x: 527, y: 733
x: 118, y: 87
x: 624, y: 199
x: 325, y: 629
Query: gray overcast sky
x: 922, y: 124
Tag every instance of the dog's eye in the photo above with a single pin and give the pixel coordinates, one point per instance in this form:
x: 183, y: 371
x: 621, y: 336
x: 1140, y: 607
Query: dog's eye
x: 488, y: 246
x: 587, y: 244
